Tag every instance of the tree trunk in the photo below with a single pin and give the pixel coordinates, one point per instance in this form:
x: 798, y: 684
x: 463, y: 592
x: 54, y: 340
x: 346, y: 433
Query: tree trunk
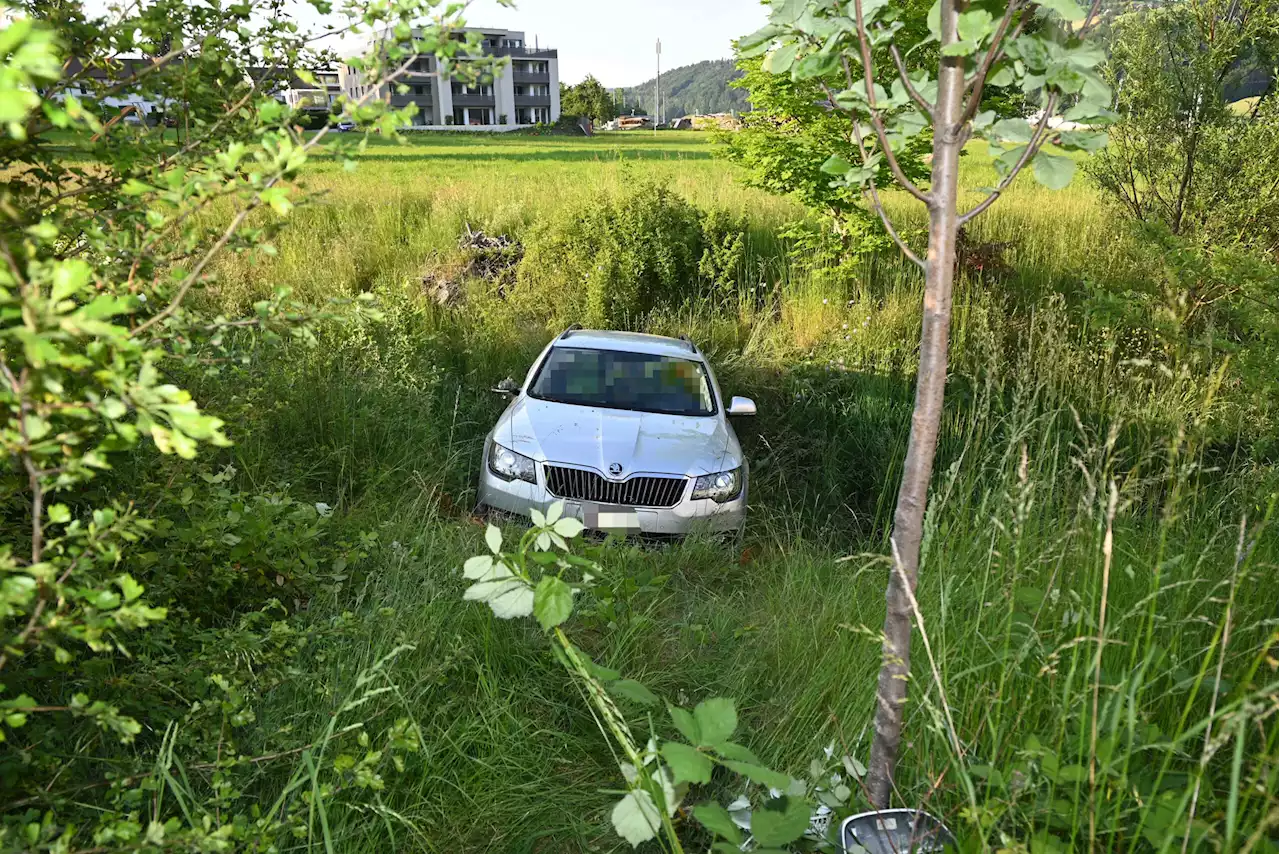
x: 908, y: 518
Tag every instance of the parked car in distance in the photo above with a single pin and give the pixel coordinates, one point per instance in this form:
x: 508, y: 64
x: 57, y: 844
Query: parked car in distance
x: 345, y: 126
x: 629, y: 430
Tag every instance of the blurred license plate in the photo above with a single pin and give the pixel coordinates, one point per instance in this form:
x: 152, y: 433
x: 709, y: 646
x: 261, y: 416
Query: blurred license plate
x: 606, y: 518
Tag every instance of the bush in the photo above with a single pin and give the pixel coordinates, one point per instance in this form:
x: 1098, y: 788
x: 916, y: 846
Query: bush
x: 724, y: 256
x: 612, y: 261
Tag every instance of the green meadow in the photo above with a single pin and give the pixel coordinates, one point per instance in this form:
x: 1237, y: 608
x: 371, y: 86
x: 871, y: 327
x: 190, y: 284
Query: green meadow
x: 1098, y: 583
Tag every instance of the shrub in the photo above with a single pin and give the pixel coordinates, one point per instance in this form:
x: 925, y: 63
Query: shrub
x: 722, y: 267
x: 612, y: 261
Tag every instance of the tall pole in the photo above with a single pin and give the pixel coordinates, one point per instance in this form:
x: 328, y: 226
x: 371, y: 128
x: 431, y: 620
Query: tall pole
x: 657, y: 83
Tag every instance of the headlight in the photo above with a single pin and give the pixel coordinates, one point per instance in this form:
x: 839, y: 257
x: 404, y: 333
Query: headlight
x: 509, y: 465
x: 721, y: 487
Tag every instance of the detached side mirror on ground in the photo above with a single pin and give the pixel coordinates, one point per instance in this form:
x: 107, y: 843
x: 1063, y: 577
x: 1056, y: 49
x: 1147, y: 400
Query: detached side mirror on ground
x: 507, y: 387
x: 742, y: 406
x: 896, y: 831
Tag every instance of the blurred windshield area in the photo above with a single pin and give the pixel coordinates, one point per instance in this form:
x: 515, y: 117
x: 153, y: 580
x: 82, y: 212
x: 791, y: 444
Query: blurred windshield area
x: 618, y: 380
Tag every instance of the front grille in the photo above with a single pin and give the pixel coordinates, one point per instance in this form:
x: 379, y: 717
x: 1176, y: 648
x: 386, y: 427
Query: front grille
x: 637, y: 492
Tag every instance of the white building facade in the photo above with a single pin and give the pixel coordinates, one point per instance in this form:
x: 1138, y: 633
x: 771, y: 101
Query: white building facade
x: 525, y: 89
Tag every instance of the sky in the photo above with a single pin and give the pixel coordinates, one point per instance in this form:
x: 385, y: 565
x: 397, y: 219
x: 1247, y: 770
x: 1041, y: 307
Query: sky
x: 614, y: 39
x: 611, y: 39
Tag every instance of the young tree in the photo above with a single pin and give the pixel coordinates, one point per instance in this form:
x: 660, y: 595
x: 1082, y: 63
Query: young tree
x: 783, y: 141
x: 589, y: 98
x: 1180, y: 156
x: 1038, y: 46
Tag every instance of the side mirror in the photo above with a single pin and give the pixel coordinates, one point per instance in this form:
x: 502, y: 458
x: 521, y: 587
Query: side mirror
x: 507, y: 387
x: 896, y: 831
x: 742, y: 406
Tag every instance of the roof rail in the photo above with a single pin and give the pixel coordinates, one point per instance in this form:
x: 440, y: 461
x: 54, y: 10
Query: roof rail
x: 573, y: 328
x: 686, y: 339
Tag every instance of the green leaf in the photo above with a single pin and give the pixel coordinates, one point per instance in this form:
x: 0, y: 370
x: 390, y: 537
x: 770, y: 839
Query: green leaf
x: 1053, y: 170
x: 59, y: 514
x: 479, y: 567
x: 779, y: 825
x: 758, y: 42
x: 964, y: 47
x: 35, y: 427
x: 1089, y: 110
x: 568, y: 527
x: 780, y: 59
x: 716, y: 819
x: 975, y: 25
x: 1011, y: 130
x: 716, y: 719
x: 130, y: 588
x: 854, y: 767
x: 1085, y: 55
x: 507, y: 597
x: 604, y: 674
x: 493, y: 538
x: 1006, y: 160
x: 39, y: 350
x: 278, y: 198
x: 636, y: 818
x: 552, y: 602
x: 737, y: 752
x: 634, y: 691
x: 69, y: 277
x: 1082, y: 140
x: 934, y: 20
x: 787, y: 11
x: 1002, y: 76
x: 1064, y: 77
x: 685, y: 723
x: 686, y: 763
x: 758, y: 774
x: 817, y: 64
x: 1069, y: 10
x: 835, y: 165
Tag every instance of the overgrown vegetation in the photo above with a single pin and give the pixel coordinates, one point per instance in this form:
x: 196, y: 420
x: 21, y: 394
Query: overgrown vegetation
x: 1098, y: 586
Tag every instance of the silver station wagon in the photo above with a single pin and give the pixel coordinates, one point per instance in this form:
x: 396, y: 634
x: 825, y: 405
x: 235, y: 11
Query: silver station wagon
x: 628, y: 430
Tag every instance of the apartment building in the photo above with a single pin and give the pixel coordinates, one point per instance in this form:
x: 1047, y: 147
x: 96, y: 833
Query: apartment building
x: 525, y: 89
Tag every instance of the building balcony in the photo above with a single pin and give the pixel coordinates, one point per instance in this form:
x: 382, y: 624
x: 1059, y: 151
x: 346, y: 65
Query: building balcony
x: 460, y: 100
x: 401, y: 101
x: 525, y: 52
x: 530, y: 77
x: 533, y: 100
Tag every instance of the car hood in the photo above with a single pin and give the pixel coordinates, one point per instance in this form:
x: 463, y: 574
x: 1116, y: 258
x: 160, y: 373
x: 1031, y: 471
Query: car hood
x: 640, y: 442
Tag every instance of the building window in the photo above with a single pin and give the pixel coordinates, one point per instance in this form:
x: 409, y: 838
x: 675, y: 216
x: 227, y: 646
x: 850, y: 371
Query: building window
x: 417, y: 90
x: 473, y: 116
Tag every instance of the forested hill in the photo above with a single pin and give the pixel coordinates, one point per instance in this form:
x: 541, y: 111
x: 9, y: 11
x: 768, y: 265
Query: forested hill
x: 699, y: 88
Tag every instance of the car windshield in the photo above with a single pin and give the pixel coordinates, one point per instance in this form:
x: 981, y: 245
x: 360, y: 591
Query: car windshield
x: 614, y: 379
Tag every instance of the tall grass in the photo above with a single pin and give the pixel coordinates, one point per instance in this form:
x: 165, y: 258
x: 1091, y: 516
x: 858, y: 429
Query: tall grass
x: 1100, y: 603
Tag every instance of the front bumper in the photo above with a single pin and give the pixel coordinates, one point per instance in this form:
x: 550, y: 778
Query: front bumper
x: 686, y: 517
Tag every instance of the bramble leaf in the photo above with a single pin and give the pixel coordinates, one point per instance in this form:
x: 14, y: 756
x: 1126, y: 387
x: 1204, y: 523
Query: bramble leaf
x: 687, y: 763
x: 552, y: 602
x: 716, y: 819
x: 780, y: 824
x: 685, y: 722
x: 758, y: 774
x: 634, y: 691
x: 636, y: 818
x: 716, y: 719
